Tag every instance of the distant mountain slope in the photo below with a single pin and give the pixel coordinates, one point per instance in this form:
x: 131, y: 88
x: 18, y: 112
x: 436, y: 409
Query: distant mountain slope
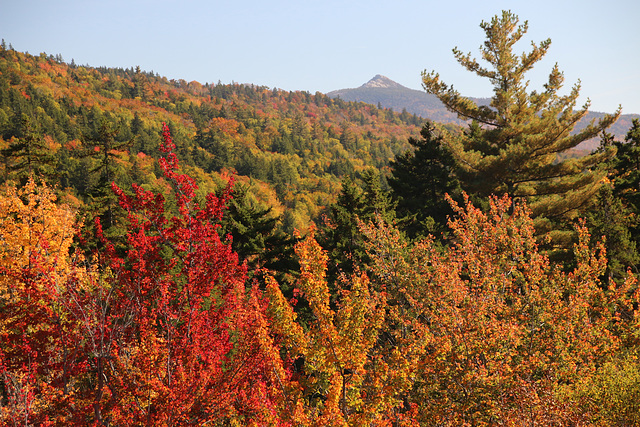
x: 619, y: 129
x: 386, y: 93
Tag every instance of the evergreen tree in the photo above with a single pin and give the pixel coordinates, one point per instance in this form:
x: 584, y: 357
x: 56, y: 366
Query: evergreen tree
x: 340, y: 234
x: 420, y: 178
x: 626, y: 177
x: 610, y: 219
x: 613, y: 218
x: 626, y: 168
x: 515, y: 149
x: 257, y: 236
x: 103, y: 147
x: 137, y: 125
x: 29, y: 155
x: 377, y: 202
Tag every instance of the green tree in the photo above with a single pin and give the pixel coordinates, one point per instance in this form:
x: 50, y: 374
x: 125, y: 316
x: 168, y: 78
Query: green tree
x: 616, y: 215
x: 29, y: 155
x: 257, y: 235
x: 104, y: 148
x: 515, y: 149
x: 420, y: 178
x: 362, y: 201
x: 611, y: 219
x: 626, y: 172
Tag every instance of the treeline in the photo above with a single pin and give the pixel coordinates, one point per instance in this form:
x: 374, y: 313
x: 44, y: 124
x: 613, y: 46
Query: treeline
x: 458, y: 277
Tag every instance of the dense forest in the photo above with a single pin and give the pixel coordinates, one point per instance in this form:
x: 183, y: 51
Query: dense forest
x: 177, y: 253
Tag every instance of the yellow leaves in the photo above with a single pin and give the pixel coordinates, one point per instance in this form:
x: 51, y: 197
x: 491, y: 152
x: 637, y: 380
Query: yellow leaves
x: 613, y: 393
x: 284, y: 319
x: 336, y: 344
x: 342, y: 336
x: 360, y: 316
x: 313, y: 264
x: 33, y: 226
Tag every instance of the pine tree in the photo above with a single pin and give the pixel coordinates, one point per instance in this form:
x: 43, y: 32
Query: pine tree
x: 358, y: 202
x: 104, y: 148
x: 100, y: 158
x: 626, y: 168
x: 420, y: 179
x: 626, y: 178
x: 257, y: 236
x: 29, y: 155
x: 610, y: 219
x: 515, y: 149
x: 339, y: 233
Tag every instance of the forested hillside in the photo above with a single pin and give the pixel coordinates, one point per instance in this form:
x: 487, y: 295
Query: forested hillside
x: 293, y: 147
x: 177, y: 253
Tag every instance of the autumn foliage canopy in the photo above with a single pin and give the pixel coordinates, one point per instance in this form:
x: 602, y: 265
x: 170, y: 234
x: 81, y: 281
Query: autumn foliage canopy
x: 167, y: 328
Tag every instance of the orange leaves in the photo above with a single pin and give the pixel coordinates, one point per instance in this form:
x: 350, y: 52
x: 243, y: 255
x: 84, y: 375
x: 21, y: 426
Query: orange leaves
x: 503, y: 327
x: 228, y: 127
x: 337, y: 366
x: 33, y: 227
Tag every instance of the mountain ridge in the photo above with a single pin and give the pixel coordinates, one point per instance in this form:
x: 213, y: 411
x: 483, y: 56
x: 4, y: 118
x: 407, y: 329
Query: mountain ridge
x: 383, y: 91
x: 386, y: 93
x: 381, y: 81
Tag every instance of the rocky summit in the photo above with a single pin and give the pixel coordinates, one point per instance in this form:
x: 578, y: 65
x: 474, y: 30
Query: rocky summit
x: 380, y: 81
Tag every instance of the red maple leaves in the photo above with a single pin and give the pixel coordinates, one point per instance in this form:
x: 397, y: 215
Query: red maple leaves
x: 164, y: 334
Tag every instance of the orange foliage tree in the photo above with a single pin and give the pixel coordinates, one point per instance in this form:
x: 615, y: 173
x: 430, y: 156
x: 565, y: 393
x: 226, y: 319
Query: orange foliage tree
x: 507, y: 333
x: 339, y: 375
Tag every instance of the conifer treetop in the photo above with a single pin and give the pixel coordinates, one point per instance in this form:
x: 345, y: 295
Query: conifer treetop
x: 513, y: 144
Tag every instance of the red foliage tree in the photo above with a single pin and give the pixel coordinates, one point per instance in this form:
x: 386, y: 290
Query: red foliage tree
x: 164, y: 334
x: 186, y: 348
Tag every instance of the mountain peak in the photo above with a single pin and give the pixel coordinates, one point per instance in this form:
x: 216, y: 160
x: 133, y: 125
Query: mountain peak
x: 380, y: 81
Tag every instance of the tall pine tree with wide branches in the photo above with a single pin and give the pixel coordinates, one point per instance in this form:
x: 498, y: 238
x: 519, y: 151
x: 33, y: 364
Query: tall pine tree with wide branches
x: 515, y: 148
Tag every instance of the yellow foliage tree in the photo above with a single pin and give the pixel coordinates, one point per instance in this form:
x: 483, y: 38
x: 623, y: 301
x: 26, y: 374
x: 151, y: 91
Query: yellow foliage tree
x: 33, y: 227
x: 339, y: 375
x: 35, y: 237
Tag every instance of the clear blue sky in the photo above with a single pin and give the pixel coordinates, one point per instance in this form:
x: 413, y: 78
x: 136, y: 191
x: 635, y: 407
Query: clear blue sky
x: 326, y: 45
